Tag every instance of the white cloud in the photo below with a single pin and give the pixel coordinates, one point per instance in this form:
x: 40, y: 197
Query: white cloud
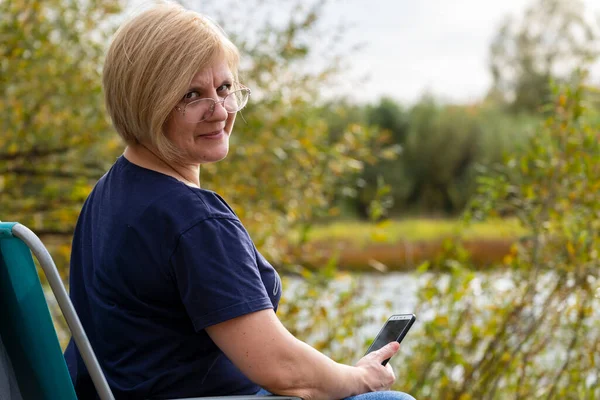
x: 411, y: 46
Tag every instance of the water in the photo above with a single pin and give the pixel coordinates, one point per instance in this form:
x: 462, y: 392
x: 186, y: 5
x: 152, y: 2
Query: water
x: 391, y: 293
x: 396, y: 293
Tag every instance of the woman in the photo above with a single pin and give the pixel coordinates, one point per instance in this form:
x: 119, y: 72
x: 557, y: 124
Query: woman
x: 175, y: 298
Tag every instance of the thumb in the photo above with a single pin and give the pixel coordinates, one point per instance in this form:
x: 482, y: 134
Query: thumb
x: 386, y: 351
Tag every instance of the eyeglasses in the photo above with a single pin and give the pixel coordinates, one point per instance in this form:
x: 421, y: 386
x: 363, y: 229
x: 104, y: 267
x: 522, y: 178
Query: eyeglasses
x: 202, y: 109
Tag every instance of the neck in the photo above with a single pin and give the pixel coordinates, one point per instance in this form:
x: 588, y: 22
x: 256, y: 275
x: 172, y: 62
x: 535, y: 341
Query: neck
x: 147, y: 157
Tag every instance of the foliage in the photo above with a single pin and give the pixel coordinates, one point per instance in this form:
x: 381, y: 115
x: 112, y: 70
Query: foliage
x: 299, y: 163
x: 283, y: 170
x: 413, y: 229
x: 532, y: 330
x: 550, y: 42
x: 55, y: 137
x: 431, y: 153
x: 325, y: 308
x: 391, y: 117
x: 445, y: 148
x: 285, y: 167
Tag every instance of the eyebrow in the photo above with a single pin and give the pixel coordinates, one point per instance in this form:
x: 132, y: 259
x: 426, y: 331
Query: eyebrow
x: 199, y: 86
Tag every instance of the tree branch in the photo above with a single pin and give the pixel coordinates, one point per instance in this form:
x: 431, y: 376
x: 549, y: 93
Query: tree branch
x: 33, y: 152
x: 54, y: 232
x: 569, y: 351
x: 48, y: 173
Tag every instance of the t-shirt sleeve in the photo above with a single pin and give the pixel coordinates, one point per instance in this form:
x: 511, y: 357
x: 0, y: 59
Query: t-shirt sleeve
x: 216, y: 272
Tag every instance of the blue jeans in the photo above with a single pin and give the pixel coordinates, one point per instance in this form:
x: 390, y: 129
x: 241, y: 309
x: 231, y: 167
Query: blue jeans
x: 386, y: 395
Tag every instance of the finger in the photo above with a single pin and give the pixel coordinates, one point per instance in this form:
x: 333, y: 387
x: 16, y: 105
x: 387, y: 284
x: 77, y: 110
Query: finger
x: 386, y: 351
x: 391, y: 370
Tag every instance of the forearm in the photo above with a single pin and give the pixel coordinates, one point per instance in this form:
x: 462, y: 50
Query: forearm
x: 272, y: 357
x: 305, y: 372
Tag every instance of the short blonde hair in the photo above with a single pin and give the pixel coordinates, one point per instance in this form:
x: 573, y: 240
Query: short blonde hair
x: 149, y: 65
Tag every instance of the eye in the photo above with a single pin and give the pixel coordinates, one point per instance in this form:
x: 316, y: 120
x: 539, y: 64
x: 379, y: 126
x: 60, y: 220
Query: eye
x: 224, y: 89
x: 191, y: 96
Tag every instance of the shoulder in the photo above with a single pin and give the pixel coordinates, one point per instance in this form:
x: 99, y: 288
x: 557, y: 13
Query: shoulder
x: 154, y: 202
x: 184, y: 207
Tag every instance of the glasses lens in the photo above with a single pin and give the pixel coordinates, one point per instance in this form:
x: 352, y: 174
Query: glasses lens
x: 236, y: 100
x: 198, y: 110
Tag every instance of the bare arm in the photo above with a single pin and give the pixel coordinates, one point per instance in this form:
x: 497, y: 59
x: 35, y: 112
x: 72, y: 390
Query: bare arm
x: 260, y: 346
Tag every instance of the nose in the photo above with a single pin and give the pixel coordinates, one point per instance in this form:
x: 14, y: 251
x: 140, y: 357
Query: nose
x: 217, y: 111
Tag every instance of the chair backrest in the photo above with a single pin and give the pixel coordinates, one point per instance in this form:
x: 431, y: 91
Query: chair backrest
x: 9, y: 389
x: 26, y: 326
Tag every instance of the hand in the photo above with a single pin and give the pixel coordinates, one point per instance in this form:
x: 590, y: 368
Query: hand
x: 376, y: 376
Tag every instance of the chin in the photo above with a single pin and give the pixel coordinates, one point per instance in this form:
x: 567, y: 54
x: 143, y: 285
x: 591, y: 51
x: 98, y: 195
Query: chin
x: 215, y: 155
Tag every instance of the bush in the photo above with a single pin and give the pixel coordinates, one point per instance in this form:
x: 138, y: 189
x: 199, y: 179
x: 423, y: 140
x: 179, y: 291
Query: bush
x: 532, y: 331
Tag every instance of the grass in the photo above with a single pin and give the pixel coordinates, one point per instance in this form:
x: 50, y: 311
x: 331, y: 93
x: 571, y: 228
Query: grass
x: 413, y: 230
x: 405, y: 244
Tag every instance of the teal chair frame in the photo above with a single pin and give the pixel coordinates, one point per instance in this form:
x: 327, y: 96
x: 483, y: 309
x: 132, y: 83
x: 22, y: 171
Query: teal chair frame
x: 26, y: 326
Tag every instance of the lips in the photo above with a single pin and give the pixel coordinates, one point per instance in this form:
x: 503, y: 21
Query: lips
x: 214, y: 134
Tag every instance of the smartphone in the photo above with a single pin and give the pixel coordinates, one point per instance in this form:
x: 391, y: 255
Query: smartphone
x: 395, y: 328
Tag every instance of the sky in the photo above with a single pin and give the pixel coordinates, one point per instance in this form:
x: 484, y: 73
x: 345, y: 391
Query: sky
x: 408, y: 47
x: 412, y: 47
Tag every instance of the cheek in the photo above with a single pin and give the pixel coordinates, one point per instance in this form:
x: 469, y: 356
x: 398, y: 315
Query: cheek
x: 170, y: 127
x: 229, y: 122
x: 178, y: 131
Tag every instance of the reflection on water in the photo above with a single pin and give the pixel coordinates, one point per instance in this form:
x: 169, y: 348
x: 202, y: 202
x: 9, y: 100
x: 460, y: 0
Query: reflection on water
x: 396, y: 293
x: 392, y: 293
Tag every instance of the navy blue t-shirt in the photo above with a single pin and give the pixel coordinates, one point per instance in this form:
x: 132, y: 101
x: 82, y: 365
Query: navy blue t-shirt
x: 155, y: 262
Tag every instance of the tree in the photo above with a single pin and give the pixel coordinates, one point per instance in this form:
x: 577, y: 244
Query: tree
x: 51, y: 112
x: 285, y: 167
x: 388, y: 116
x: 550, y: 42
x: 528, y: 329
x: 444, y: 148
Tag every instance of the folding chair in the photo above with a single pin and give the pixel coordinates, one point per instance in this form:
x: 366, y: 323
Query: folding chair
x: 27, y: 331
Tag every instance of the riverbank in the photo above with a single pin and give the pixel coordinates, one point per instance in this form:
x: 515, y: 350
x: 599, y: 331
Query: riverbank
x: 404, y: 245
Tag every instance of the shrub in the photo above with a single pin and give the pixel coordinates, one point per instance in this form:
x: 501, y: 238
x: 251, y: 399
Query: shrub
x: 532, y: 331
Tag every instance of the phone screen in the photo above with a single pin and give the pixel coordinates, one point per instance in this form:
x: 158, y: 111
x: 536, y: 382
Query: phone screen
x: 394, y: 330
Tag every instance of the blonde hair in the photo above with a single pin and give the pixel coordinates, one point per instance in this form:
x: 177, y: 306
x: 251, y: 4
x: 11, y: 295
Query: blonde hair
x: 149, y: 65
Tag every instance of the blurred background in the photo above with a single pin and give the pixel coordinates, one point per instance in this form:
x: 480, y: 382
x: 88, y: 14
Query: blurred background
x: 437, y: 158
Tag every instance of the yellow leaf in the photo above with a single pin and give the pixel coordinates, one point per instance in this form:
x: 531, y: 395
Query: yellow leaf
x: 570, y: 249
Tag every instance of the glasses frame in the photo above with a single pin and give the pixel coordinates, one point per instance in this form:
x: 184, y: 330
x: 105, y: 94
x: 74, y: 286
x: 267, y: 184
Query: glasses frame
x: 211, y: 109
